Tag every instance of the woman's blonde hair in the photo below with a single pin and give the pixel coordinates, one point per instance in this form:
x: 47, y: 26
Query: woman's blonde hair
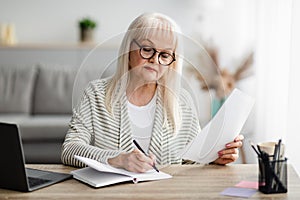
x: 143, y: 27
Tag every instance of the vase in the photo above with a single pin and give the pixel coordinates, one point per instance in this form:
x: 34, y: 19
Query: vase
x: 86, y: 35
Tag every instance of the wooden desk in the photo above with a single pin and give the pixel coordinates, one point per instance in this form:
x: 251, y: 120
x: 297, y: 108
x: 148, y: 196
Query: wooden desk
x: 188, y: 182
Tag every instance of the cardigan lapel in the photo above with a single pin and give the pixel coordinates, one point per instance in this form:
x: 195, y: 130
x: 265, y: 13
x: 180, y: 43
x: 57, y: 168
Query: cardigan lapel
x: 125, y: 127
x: 157, y: 133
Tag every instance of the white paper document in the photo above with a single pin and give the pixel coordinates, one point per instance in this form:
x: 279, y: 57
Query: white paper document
x: 222, y: 129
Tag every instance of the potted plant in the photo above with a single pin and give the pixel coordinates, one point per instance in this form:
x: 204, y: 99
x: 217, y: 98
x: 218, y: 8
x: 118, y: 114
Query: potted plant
x: 87, y: 26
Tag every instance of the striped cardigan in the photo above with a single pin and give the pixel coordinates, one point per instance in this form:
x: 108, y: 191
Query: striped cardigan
x: 97, y: 134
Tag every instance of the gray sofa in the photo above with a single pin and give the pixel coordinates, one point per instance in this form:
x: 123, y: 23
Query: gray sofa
x: 39, y: 99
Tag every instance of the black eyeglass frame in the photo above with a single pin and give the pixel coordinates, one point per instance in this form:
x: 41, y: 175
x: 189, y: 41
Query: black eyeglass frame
x: 155, y: 51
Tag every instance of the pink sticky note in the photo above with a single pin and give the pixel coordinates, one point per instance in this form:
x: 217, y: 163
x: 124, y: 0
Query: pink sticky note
x: 247, y: 184
x: 238, y: 192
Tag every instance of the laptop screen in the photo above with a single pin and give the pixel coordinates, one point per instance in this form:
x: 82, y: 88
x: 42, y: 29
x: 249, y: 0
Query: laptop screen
x: 12, y: 168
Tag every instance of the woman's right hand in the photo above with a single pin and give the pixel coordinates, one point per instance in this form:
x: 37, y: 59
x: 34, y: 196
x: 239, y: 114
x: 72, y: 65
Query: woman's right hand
x: 135, y: 161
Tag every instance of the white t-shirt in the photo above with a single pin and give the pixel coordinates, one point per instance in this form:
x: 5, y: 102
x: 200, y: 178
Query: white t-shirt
x: 142, y: 119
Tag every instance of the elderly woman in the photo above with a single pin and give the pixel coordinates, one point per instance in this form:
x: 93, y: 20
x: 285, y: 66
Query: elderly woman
x: 142, y: 101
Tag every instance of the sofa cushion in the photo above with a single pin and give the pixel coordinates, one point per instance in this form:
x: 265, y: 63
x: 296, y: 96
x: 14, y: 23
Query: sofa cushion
x: 83, y: 77
x: 45, y: 128
x: 16, y: 87
x: 47, y: 153
x: 53, y: 90
x: 54, y: 87
x: 40, y: 128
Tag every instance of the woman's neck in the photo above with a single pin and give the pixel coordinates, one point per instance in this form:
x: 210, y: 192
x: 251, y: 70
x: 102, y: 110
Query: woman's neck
x: 140, y: 95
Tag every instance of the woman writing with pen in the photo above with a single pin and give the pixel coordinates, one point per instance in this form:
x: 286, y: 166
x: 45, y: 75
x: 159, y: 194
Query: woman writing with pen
x: 142, y: 101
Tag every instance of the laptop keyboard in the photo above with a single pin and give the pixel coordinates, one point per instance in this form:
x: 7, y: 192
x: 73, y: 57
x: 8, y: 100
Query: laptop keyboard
x: 33, y: 181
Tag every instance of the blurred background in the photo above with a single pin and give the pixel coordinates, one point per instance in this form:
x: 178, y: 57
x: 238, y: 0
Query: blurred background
x: 35, y: 31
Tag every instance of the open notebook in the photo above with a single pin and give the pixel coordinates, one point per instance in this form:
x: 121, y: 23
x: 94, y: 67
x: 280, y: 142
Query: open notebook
x: 98, y: 174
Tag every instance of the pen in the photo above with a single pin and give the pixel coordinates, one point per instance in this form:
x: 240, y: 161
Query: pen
x: 259, y: 150
x: 140, y: 148
x: 278, y: 152
x: 278, y: 165
x: 252, y: 145
x: 275, y: 152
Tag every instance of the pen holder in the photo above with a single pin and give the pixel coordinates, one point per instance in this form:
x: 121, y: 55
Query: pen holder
x: 272, y: 176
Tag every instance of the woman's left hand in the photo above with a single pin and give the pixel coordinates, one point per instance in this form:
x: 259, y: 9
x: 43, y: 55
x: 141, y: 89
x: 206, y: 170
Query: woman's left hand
x: 231, y: 152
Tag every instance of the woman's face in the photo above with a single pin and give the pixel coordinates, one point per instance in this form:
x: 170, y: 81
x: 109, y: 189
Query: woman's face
x: 150, y: 70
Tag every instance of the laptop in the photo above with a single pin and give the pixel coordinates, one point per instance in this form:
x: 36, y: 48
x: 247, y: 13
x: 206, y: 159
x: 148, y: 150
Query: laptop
x: 13, y: 174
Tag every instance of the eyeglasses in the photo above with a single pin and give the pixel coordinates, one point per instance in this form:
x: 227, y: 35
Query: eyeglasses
x: 147, y: 52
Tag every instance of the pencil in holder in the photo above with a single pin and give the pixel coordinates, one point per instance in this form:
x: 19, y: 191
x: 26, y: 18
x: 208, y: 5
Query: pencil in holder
x: 272, y: 176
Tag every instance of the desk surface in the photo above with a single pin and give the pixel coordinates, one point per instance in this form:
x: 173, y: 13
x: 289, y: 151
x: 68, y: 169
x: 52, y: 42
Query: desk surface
x: 188, y: 182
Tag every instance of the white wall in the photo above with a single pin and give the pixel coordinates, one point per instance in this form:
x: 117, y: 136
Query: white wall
x: 56, y: 20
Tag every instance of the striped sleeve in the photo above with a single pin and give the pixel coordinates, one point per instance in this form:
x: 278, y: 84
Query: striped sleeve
x: 80, y: 137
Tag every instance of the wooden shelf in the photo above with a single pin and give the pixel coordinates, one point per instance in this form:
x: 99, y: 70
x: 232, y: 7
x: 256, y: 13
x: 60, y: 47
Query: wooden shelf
x: 55, y: 46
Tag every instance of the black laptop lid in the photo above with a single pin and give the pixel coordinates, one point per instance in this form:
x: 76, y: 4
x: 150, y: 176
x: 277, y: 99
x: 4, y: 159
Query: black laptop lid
x: 12, y: 168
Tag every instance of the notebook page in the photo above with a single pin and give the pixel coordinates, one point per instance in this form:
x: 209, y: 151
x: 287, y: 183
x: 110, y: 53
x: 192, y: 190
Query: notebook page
x: 102, y: 167
x: 98, y: 179
x: 149, y: 175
